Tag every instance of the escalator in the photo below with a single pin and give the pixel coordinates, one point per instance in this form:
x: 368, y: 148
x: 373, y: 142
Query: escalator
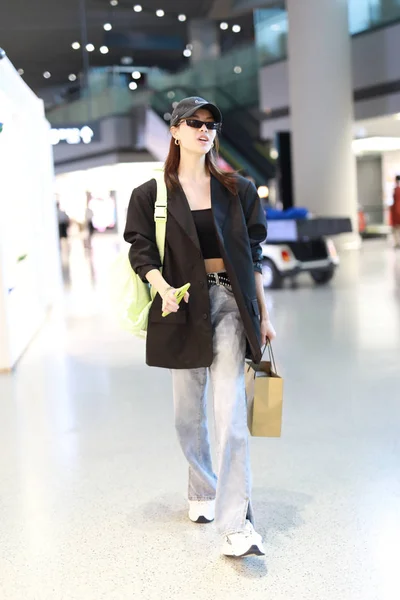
x: 240, y: 145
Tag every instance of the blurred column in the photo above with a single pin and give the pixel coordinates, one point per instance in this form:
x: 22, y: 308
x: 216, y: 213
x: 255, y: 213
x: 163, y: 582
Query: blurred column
x: 322, y: 107
x: 204, y: 38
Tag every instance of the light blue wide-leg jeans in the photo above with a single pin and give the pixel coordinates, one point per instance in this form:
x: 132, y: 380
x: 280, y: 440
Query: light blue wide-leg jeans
x: 231, y: 486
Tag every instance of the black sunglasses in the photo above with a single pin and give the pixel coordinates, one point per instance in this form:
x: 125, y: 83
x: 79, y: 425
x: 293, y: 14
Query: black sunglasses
x: 196, y: 124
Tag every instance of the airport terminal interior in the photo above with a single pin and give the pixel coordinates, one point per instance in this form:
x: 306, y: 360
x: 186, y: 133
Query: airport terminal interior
x: 93, y: 481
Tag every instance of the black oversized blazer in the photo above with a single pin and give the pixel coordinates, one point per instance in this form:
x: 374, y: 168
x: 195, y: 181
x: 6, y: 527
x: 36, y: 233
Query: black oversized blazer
x: 183, y: 340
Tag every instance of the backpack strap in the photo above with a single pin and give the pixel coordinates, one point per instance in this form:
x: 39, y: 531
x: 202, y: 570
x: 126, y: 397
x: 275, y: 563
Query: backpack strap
x: 160, y: 214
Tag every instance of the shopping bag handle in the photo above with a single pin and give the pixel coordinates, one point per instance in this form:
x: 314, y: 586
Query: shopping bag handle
x: 271, y: 354
x: 271, y: 357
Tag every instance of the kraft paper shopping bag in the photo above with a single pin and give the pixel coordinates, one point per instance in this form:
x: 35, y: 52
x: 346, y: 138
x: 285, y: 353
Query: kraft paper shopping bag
x: 264, y: 392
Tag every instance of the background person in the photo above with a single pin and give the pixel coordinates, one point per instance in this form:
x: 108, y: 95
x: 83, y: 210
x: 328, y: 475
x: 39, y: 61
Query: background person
x: 63, y: 223
x: 89, y: 225
x: 395, y: 213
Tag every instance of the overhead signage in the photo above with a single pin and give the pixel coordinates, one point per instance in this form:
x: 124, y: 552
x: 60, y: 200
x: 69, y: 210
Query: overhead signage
x: 82, y: 134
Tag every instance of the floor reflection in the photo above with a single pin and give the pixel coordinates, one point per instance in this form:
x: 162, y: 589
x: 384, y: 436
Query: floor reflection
x: 83, y: 264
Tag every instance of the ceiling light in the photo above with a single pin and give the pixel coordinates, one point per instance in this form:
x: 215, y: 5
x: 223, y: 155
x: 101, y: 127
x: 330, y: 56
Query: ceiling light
x: 182, y: 18
x: 76, y: 45
x: 47, y: 74
x: 167, y: 116
x: 171, y: 95
x: 89, y: 47
x: 126, y: 60
x: 189, y: 46
x: 136, y: 75
x: 21, y: 71
x: 138, y: 8
x: 133, y: 85
x: 237, y: 70
x: 72, y: 77
x: 263, y: 191
x: 160, y: 13
x: 224, y: 26
x: 187, y: 52
x: 236, y: 28
x: 104, y: 49
x: 274, y: 154
x: 114, y: 2
x: 107, y: 26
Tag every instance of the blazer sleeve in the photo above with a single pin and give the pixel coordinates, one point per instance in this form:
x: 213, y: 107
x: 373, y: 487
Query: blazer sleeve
x: 140, y: 230
x: 256, y: 223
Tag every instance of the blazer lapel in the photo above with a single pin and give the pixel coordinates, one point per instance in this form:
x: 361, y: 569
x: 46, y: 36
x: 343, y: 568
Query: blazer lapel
x: 179, y: 208
x: 221, y: 201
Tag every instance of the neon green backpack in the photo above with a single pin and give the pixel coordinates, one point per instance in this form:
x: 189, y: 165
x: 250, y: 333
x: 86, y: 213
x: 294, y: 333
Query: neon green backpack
x: 132, y: 298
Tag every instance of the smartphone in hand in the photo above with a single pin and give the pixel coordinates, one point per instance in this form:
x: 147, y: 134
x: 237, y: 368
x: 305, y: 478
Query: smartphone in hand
x: 179, y: 294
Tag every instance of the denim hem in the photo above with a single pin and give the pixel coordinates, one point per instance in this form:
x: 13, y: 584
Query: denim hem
x: 231, y: 532
x: 207, y: 499
x: 238, y: 529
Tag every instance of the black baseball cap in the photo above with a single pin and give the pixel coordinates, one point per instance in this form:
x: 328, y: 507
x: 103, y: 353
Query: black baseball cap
x: 188, y: 106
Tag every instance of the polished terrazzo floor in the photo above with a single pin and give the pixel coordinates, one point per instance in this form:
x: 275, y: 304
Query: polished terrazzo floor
x: 92, y: 481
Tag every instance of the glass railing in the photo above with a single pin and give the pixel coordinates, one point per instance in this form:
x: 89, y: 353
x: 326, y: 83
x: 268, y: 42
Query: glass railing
x: 117, y: 100
x: 235, y: 71
x: 271, y: 25
x: 108, y: 102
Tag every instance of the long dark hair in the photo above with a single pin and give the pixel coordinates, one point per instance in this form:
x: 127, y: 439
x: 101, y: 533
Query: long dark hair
x: 229, y: 180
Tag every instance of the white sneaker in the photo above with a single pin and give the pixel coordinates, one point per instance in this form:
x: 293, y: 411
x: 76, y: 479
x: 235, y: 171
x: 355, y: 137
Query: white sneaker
x: 201, y: 511
x: 243, y: 543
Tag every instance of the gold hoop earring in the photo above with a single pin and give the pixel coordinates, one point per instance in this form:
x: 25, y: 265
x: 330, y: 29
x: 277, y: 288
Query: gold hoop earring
x: 177, y: 142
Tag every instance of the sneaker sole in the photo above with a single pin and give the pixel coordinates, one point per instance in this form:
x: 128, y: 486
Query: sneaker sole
x: 202, y: 520
x: 254, y: 550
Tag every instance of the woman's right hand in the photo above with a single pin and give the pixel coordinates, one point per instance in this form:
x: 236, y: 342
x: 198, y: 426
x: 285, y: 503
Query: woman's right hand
x: 169, y: 303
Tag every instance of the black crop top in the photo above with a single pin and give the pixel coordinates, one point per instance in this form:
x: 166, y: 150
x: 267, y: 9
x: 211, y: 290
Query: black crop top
x: 203, y: 219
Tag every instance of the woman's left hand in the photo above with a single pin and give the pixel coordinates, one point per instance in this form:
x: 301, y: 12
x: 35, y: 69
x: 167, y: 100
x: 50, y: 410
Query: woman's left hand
x: 267, y: 331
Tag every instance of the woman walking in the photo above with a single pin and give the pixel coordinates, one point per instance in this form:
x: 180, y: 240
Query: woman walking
x: 395, y: 213
x: 215, y: 227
